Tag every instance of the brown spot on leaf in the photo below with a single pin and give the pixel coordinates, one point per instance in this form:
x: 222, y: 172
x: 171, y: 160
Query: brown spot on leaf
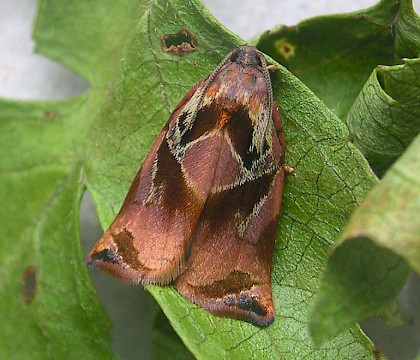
x: 285, y: 48
x: 29, y: 284
x: 378, y: 354
x: 50, y: 114
x: 181, y: 43
x: 362, y: 17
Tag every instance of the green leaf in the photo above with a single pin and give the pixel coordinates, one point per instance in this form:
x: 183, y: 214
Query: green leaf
x: 368, y: 267
x: 61, y: 317
x: 41, y: 176
x: 98, y: 140
x: 385, y: 117
x: 166, y: 343
x: 407, y: 35
x: 335, y: 54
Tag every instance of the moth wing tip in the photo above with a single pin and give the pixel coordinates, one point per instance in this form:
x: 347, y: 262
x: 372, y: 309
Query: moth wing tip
x: 241, y: 306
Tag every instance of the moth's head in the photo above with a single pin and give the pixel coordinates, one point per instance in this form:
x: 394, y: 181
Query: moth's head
x: 248, y: 56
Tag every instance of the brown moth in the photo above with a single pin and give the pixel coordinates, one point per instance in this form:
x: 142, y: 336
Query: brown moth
x: 203, y: 209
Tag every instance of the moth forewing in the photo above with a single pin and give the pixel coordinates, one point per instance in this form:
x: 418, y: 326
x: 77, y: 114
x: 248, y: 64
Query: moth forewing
x: 203, y: 209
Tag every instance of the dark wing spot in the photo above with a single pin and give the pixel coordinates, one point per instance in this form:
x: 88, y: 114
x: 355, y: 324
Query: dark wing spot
x: 126, y: 249
x: 105, y: 255
x: 240, y: 130
x: 171, y: 180
x: 223, y: 206
x: 181, y: 120
x: 247, y: 302
x: 234, y: 283
x: 205, y: 121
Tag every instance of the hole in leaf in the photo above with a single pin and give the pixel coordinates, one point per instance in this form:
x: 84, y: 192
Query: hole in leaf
x: 29, y: 284
x: 181, y: 43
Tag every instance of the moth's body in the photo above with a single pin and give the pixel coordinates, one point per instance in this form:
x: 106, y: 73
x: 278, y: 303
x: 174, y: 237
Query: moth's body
x: 203, y: 209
